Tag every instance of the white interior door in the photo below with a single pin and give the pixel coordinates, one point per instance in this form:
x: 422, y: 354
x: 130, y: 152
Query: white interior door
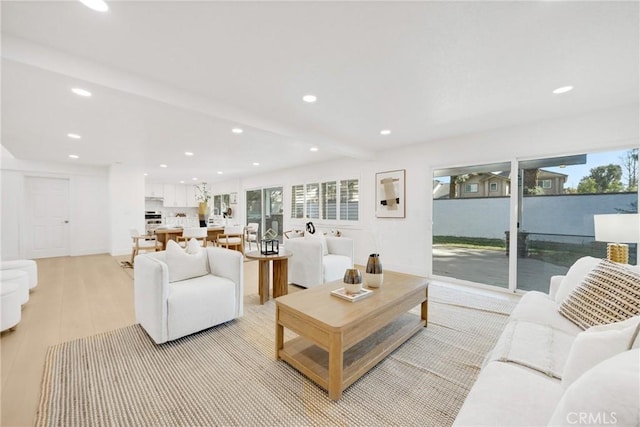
x: 47, y: 217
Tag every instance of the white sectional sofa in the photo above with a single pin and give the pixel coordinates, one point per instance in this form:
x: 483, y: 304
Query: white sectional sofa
x: 545, y: 370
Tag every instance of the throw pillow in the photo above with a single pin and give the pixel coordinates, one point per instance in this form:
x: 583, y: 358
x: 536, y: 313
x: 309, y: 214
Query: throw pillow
x: 609, y: 293
x: 186, y: 264
x: 322, y: 238
x: 607, y: 394
x: 574, y: 276
x: 596, y: 344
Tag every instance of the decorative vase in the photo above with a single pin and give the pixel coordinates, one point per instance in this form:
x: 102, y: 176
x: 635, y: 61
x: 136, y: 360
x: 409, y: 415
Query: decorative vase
x: 202, y: 213
x: 352, y: 281
x: 373, y: 276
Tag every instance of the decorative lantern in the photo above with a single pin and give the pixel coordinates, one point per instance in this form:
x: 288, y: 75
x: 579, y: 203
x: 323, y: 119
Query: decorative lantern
x: 269, y: 246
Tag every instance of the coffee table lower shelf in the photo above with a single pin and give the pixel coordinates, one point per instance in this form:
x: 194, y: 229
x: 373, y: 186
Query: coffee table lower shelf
x: 313, y: 361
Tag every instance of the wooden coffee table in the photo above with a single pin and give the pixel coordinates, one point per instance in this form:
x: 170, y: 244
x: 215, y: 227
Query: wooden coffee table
x: 339, y: 341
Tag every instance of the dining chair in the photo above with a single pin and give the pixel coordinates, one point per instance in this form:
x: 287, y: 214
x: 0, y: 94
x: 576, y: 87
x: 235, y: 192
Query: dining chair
x: 145, y: 243
x: 232, y: 238
x: 251, y: 233
x: 198, y: 233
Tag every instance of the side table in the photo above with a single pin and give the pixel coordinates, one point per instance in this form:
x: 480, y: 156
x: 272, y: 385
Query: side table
x: 280, y: 273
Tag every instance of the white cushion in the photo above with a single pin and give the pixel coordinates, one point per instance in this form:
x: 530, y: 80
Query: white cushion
x: 323, y: 240
x: 574, y: 276
x: 596, y: 344
x: 607, y: 394
x: 538, y: 307
x: 205, y: 300
x: 19, y: 277
x: 27, y: 265
x: 185, y: 264
x: 334, y: 266
x: 506, y: 394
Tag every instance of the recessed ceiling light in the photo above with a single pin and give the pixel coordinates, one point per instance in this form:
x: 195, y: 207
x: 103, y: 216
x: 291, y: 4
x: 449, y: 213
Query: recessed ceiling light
x: 220, y: 172
x: 74, y: 156
x: 256, y: 164
x: 237, y: 130
x: 194, y: 179
x: 385, y: 132
x: 181, y: 182
x: 81, y: 92
x: 310, y: 98
x: 163, y: 165
x: 145, y: 174
x: 97, y: 5
x: 563, y: 89
x: 313, y: 149
x: 74, y: 136
x: 188, y: 153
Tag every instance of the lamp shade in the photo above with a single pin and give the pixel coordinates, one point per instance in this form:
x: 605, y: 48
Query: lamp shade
x: 618, y: 228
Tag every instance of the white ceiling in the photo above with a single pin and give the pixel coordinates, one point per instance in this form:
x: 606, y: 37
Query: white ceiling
x: 169, y: 77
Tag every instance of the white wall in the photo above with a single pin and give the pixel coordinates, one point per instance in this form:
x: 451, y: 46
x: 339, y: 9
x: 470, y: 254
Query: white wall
x: 405, y: 244
x: 89, y: 205
x: 126, y: 193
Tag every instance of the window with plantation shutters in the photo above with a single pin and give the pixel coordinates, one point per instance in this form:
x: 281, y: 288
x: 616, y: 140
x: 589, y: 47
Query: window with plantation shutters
x: 297, y: 201
x: 312, y: 201
x: 328, y: 201
x: 349, y: 200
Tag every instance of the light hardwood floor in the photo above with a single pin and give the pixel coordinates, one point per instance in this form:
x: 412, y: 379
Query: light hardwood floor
x: 75, y: 297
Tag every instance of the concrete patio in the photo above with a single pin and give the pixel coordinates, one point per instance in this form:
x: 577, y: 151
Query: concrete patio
x: 491, y: 267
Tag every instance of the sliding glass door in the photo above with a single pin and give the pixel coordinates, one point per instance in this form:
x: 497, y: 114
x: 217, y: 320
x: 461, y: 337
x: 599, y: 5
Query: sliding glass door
x: 264, y: 206
x: 558, y: 199
x: 549, y: 208
x: 471, y: 223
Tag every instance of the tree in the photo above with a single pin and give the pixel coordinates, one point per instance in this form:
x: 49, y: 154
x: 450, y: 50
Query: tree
x: 453, y: 184
x: 530, y: 182
x: 602, y: 179
x: 629, y: 162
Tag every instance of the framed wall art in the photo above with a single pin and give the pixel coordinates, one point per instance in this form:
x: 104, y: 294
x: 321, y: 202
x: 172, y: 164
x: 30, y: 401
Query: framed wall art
x: 390, y: 194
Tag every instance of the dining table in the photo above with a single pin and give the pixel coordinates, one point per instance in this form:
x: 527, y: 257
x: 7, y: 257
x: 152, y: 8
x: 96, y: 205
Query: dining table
x: 166, y: 234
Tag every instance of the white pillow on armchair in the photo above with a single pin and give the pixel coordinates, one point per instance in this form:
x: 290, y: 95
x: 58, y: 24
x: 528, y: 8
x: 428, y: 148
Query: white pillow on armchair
x: 186, y: 263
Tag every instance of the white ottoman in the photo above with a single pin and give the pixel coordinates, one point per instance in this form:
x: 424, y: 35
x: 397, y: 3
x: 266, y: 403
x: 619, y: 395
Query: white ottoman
x: 10, y: 313
x: 27, y: 265
x: 20, y: 278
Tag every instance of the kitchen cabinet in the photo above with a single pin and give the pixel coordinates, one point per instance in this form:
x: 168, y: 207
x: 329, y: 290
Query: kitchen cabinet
x: 153, y: 190
x: 179, y: 195
x: 191, y: 196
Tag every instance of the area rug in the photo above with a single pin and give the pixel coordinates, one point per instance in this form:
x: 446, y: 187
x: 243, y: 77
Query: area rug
x: 228, y: 375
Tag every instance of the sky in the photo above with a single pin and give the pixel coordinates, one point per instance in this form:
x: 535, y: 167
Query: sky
x: 577, y: 172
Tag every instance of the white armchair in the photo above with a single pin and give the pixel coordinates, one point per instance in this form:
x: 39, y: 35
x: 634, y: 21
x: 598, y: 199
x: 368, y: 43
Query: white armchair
x: 171, y: 310
x: 310, y: 266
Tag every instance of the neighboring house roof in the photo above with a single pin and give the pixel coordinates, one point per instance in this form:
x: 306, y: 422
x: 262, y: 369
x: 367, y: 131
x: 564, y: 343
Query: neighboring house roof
x: 546, y: 173
x: 499, y: 175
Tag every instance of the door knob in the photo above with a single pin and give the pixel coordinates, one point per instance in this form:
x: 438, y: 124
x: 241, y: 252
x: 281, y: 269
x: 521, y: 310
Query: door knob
x: 66, y: 221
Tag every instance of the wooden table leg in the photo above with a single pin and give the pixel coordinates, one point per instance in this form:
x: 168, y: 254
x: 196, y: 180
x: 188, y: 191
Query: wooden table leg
x: 279, y: 334
x: 263, y: 280
x: 280, y: 277
x: 335, y: 366
x: 424, y: 309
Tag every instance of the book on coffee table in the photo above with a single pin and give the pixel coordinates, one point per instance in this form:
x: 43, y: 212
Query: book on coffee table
x: 341, y: 293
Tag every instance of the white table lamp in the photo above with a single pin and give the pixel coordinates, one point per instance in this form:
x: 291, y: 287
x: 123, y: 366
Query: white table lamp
x: 617, y: 230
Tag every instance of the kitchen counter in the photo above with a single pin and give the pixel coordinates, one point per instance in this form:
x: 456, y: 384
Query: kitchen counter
x: 166, y: 234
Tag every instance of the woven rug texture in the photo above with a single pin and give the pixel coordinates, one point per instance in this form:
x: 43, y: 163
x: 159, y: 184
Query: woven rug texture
x: 228, y: 375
